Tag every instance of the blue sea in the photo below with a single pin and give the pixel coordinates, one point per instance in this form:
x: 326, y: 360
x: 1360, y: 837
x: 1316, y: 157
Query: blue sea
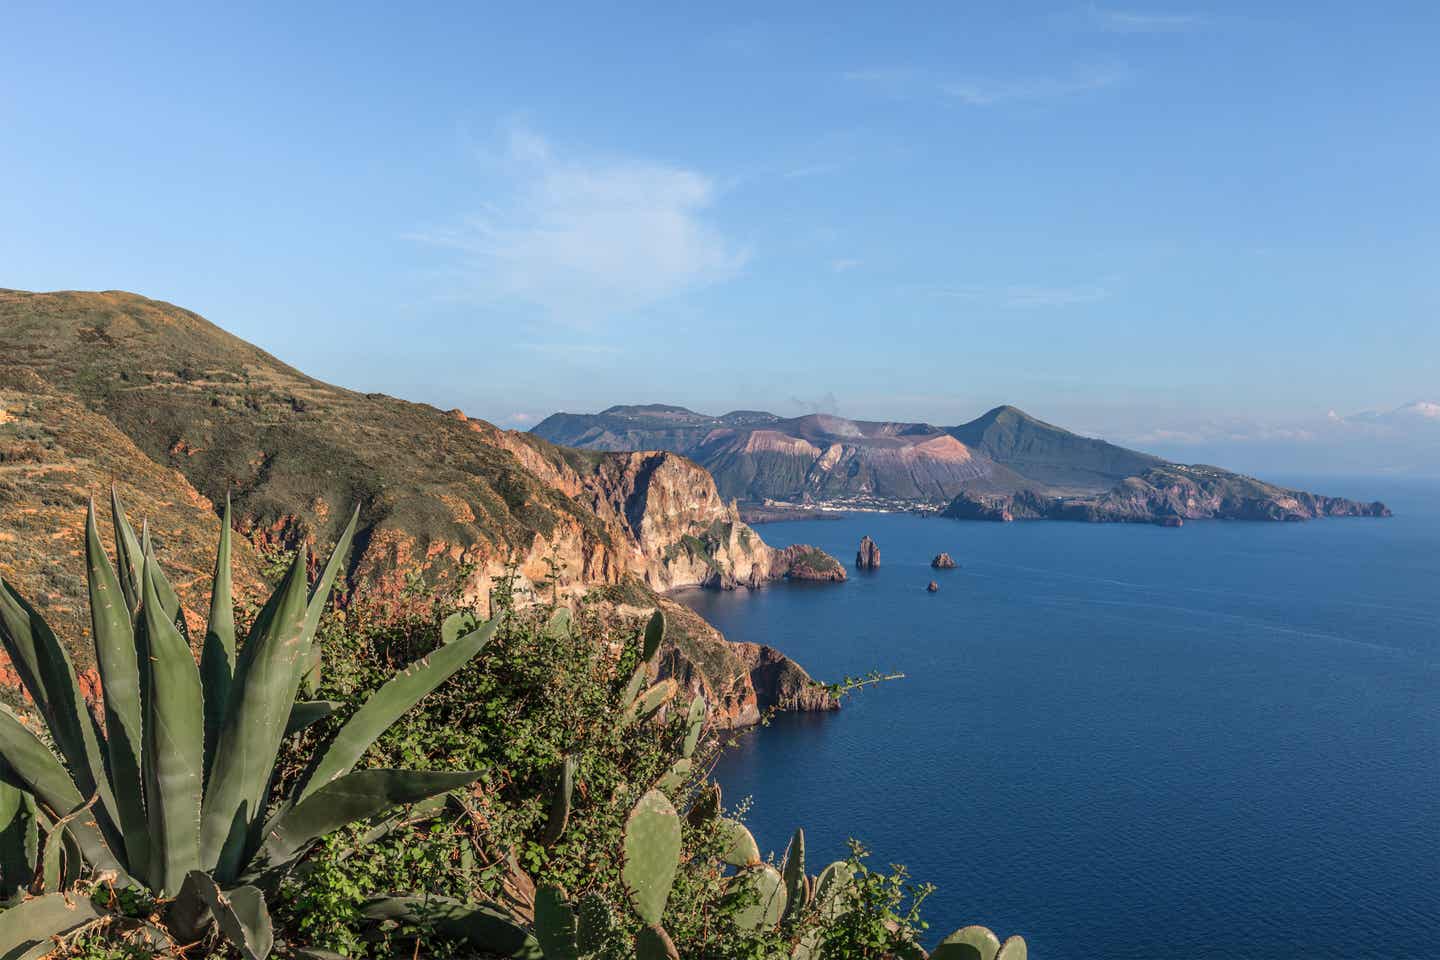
x: 1124, y: 741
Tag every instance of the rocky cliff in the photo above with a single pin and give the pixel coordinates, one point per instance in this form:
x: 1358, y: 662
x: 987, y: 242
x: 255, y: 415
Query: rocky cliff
x: 112, y: 386
x: 1168, y: 494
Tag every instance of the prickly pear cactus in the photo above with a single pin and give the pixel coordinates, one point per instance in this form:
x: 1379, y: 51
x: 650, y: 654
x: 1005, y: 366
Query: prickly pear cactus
x: 652, y: 855
x: 759, y: 893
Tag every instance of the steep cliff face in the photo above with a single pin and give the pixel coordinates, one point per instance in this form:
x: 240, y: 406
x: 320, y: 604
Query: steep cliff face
x: 103, y: 386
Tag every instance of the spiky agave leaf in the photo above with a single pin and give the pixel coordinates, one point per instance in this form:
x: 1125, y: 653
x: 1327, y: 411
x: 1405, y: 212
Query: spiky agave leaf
x: 266, y: 680
x: 174, y: 756
x: 387, y: 704
x: 113, y: 634
x: 49, y: 675
x: 217, y: 654
x: 33, y: 923
x: 240, y: 912
x: 33, y: 766
x: 355, y: 796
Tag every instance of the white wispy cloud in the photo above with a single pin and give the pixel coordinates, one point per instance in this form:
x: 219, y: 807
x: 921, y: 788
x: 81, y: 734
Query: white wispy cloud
x: 844, y: 264
x: 1133, y: 21
x: 984, y: 91
x: 585, y: 238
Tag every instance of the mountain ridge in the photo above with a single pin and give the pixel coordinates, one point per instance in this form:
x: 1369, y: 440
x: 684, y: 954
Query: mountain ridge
x: 1005, y: 463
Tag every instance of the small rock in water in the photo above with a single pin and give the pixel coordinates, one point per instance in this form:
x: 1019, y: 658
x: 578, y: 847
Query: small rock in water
x: 868, y: 556
x: 934, y: 587
x: 943, y: 561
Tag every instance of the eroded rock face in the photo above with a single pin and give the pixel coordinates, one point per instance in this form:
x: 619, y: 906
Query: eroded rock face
x: 868, y: 556
x: 781, y: 682
x: 943, y: 561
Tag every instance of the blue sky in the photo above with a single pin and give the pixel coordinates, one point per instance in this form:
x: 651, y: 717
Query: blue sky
x: 1161, y: 222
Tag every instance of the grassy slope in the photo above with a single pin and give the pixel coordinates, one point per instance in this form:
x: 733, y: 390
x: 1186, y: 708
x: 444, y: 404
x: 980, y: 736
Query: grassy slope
x: 297, y: 453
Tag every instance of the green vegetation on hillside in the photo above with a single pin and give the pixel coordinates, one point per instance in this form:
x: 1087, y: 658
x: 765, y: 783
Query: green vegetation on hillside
x: 522, y: 787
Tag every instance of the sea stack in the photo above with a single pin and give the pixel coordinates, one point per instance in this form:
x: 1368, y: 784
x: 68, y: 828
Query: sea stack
x: 943, y: 561
x: 933, y: 587
x: 868, y: 556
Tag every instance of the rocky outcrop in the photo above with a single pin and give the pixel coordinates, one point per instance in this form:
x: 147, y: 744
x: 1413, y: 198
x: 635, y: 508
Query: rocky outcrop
x: 943, y: 561
x: 781, y: 683
x: 1167, y: 495
x: 932, y: 587
x: 867, y: 557
x: 804, y: 562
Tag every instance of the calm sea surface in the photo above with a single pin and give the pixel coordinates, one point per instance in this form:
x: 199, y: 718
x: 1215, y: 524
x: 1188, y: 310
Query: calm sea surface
x: 1125, y: 741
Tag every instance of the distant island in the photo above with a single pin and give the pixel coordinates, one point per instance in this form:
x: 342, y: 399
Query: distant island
x: 1004, y: 465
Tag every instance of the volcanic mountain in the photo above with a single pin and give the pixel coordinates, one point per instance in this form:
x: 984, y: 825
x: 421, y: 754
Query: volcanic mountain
x: 1001, y: 465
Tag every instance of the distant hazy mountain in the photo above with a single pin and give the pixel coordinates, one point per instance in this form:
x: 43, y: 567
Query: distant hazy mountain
x: 1403, y: 440
x: 984, y: 464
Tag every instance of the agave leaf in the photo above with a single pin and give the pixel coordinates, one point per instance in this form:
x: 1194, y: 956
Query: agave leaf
x: 355, y: 796
x: 36, y: 921
x: 217, y: 654
x: 47, y: 672
x: 307, y: 712
x: 968, y: 943
x: 119, y: 668
x: 319, y: 594
x: 174, y: 758
x: 169, y: 599
x: 240, y: 912
x: 385, y: 706
x: 19, y: 839
x: 56, y: 836
x: 266, y: 680
x: 479, y: 924
x: 31, y: 765
x: 127, y: 551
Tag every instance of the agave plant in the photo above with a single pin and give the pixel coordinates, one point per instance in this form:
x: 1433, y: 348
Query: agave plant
x: 172, y: 792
